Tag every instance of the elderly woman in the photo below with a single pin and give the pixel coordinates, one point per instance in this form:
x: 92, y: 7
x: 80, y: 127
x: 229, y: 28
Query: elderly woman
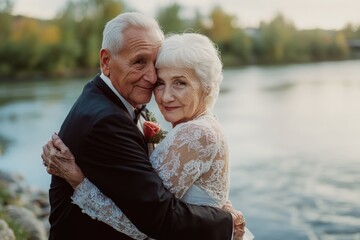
x: 193, y: 159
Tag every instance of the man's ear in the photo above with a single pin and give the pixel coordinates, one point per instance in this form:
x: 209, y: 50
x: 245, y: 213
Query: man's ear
x: 105, y: 58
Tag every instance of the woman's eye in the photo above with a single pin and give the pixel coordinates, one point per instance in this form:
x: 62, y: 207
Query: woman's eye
x: 180, y: 83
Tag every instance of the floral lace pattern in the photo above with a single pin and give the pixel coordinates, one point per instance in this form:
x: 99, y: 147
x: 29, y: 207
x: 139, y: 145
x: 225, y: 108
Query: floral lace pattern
x: 95, y: 204
x: 193, y: 153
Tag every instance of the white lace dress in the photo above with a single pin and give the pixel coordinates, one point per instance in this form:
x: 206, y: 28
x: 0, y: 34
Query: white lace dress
x: 193, y: 163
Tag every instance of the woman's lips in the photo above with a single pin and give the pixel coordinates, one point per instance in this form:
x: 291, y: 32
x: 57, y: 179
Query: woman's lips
x: 169, y: 109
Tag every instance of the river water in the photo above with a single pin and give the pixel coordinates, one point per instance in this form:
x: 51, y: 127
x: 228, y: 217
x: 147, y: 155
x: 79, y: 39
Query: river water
x: 294, y: 139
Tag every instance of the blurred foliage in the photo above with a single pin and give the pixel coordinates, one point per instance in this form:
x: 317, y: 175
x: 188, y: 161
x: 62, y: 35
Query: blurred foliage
x: 170, y: 19
x: 70, y: 43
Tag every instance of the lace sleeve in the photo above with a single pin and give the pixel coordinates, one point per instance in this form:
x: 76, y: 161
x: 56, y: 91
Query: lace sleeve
x: 95, y: 204
x: 188, y: 154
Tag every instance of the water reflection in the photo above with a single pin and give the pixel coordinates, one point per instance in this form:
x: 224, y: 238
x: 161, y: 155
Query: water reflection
x: 294, y: 134
x: 4, y: 143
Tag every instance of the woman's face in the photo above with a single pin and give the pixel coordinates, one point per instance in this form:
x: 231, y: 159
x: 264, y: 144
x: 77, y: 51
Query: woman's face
x: 179, y: 94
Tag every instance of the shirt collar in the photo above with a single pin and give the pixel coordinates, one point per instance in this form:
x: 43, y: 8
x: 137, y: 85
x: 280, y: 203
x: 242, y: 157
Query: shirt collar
x: 128, y: 106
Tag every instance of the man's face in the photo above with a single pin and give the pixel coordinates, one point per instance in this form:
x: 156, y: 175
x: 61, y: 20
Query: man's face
x: 132, y: 70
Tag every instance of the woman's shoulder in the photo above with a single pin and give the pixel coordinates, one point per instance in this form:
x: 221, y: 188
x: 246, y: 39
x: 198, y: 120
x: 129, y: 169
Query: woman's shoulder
x: 205, y: 122
x: 205, y: 125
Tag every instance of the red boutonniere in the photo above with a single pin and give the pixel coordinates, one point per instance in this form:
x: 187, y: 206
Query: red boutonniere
x: 152, y: 130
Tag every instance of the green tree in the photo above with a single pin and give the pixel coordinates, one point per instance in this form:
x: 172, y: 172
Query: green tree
x: 351, y: 31
x: 25, y: 44
x: 319, y: 42
x: 338, y: 48
x: 276, y: 38
x: 222, y: 28
x: 170, y: 20
x: 5, y: 29
x: 241, y: 48
x: 82, y: 23
x: 72, y: 40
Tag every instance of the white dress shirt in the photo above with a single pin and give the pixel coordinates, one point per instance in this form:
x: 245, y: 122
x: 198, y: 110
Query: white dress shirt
x: 128, y: 106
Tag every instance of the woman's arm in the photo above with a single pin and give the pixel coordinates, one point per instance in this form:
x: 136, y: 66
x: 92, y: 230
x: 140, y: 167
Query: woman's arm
x: 60, y: 162
x: 98, y: 206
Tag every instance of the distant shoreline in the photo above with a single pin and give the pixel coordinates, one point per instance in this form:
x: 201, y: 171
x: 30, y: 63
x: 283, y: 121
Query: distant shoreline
x: 89, y: 73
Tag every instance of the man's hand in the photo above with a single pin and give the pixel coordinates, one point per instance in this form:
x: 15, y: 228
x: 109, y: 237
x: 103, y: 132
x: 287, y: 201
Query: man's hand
x: 238, y: 219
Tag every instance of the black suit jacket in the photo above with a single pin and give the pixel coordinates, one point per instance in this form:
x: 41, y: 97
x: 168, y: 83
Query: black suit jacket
x: 112, y: 153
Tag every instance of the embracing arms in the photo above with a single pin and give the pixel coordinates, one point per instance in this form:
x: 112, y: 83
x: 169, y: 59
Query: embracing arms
x: 114, y: 163
x: 192, y: 160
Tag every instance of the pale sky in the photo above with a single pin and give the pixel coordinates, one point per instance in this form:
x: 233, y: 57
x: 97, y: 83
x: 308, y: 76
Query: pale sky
x: 326, y: 14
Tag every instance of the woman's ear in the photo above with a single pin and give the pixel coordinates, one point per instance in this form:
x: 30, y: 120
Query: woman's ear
x: 105, y: 59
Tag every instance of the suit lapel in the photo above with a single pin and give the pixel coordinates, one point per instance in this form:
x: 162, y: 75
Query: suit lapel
x: 112, y: 96
x: 108, y: 92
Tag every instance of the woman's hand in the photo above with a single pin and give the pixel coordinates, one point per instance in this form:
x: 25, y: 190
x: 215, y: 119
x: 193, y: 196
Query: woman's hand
x: 238, y: 219
x: 59, y: 161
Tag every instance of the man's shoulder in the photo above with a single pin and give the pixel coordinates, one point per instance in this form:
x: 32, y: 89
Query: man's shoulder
x: 98, y: 106
x: 96, y: 99
x: 93, y: 105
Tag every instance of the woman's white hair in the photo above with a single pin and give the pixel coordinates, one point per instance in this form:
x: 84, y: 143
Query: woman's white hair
x: 197, y: 52
x: 113, y: 31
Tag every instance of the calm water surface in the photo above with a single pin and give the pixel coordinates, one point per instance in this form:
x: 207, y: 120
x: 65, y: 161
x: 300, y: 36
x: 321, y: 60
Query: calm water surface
x: 293, y: 132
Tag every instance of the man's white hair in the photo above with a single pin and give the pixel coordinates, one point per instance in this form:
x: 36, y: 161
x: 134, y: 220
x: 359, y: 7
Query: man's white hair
x: 113, y: 31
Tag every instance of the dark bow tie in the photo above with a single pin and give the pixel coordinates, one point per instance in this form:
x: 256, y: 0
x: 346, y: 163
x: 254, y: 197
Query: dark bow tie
x: 137, y: 112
